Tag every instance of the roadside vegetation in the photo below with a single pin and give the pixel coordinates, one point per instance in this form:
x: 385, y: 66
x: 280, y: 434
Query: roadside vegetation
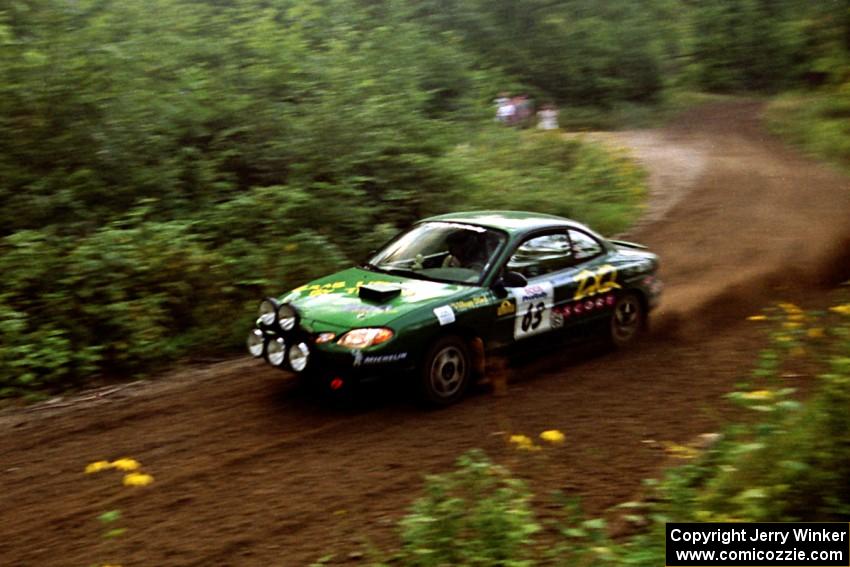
x: 789, y: 462
x: 818, y: 122
x: 164, y: 164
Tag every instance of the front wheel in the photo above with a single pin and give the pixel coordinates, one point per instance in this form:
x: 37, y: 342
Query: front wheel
x: 627, y: 320
x: 446, y: 371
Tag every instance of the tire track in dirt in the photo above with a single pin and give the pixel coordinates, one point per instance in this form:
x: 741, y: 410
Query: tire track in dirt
x: 251, y: 472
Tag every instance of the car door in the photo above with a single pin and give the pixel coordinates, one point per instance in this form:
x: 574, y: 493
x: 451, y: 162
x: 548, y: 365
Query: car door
x: 569, y: 283
x: 546, y: 260
x: 595, y: 282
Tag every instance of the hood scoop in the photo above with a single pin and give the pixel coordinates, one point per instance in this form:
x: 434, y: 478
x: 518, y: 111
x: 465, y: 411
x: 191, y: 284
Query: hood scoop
x: 378, y: 293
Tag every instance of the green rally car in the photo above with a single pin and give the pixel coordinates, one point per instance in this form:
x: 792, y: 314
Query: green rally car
x: 431, y: 304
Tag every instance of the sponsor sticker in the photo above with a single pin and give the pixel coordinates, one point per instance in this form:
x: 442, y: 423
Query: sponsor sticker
x: 506, y: 308
x: 471, y: 303
x: 445, y: 314
x: 557, y: 320
x: 360, y: 360
x: 367, y: 309
x: 586, y: 306
x: 339, y: 287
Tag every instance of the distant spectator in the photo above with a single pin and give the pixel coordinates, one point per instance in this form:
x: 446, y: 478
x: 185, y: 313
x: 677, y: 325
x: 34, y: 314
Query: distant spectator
x: 505, y: 110
x: 524, y: 110
x: 547, y: 118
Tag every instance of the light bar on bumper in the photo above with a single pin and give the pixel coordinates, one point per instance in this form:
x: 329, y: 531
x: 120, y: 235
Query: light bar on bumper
x: 276, y: 351
x: 299, y: 356
x: 256, y: 343
x: 287, y: 317
x: 274, y: 316
x: 267, y: 313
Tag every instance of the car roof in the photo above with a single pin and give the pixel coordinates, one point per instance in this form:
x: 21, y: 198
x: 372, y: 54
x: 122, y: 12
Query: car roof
x: 514, y: 222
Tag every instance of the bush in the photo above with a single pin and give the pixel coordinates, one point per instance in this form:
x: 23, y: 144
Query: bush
x: 477, y: 515
x: 545, y: 173
x: 819, y: 123
x: 792, y: 464
x: 133, y: 295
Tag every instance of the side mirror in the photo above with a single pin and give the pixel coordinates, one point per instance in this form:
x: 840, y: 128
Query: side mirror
x: 513, y: 279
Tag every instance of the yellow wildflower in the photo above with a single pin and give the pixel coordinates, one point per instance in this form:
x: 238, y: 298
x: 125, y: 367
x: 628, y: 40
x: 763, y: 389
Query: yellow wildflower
x: 98, y: 466
x: 758, y: 395
x: 790, y: 308
x: 842, y: 309
x: 126, y: 464
x: 137, y: 479
x: 757, y: 318
x: 815, y: 333
x: 524, y: 442
x: 790, y: 325
x: 552, y: 436
x: 680, y: 451
x: 783, y: 338
x: 798, y: 317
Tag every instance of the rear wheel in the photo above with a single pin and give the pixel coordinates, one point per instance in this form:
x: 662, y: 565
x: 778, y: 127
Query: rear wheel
x: 627, y: 320
x: 446, y: 371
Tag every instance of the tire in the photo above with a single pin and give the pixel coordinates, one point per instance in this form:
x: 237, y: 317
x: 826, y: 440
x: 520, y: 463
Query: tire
x: 446, y: 372
x: 628, y: 320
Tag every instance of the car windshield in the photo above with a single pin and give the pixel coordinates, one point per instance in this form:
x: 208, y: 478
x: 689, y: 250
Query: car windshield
x: 441, y: 251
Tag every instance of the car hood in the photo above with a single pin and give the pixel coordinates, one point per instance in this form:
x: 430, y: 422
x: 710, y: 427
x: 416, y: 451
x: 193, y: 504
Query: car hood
x: 337, y: 300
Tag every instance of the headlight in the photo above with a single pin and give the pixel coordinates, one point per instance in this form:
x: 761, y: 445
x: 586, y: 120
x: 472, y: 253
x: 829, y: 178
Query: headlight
x: 255, y: 343
x: 276, y: 351
x: 299, y: 354
x: 268, y: 312
x: 286, y: 317
x: 362, y: 338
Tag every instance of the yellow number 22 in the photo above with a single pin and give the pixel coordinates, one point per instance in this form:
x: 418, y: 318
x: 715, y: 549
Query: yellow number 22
x: 593, y: 282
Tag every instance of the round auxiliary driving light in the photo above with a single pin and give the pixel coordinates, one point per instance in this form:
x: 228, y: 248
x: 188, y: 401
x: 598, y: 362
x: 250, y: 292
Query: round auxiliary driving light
x: 286, y: 317
x: 299, y: 354
x: 276, y: 351
x: 268, y: 312
x: 255, y: 343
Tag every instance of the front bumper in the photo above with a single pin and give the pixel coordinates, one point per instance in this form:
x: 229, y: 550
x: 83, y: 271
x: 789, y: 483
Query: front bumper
x: 329, y: 359
x: 653, y: 288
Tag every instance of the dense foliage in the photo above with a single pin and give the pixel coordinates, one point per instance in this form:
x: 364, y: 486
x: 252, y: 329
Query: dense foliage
x: 164, y: 163
x: 769, y: 44
x: 818, y: 122
x: 475, y: 515
x: 790, y: 463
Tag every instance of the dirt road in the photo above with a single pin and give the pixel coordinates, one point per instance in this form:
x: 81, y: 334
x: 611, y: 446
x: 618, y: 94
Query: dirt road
x: 250, y: 472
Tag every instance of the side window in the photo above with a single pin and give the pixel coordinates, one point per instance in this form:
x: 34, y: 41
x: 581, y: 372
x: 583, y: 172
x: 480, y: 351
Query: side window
x: 542, y: 255
x: 585, y: 246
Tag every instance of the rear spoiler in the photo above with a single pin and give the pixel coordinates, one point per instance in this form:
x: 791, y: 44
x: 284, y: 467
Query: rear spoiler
x: 628, y: 244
